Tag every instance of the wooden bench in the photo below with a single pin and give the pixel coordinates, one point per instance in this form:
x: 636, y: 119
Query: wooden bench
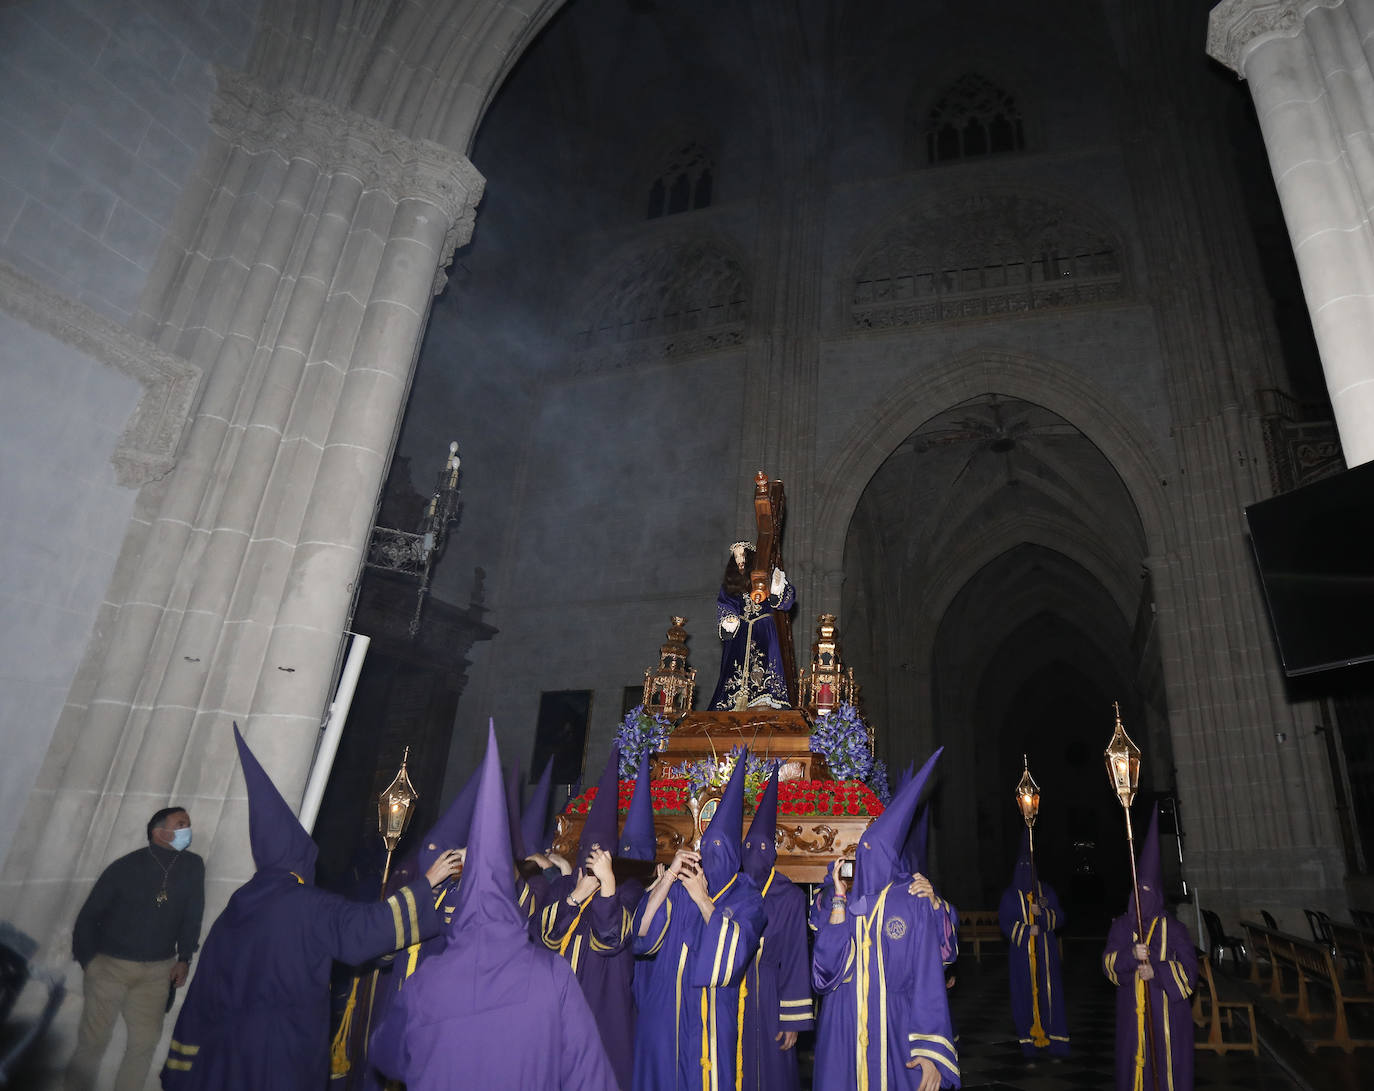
x: 979, y: 926
x: 1213, y: 1012
x: 1310, y: 964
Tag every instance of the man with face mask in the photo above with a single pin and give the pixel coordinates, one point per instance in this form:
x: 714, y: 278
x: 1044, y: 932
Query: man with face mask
x: 134, y: 938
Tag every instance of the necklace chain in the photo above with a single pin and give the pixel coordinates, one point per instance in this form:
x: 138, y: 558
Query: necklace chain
x: 161, y: 897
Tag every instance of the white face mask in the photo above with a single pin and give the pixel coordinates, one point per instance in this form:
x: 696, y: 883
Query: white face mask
x: 181, y: 838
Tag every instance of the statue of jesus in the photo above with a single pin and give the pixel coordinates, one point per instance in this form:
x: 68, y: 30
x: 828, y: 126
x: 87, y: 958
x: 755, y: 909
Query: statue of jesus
x: 751, y: 663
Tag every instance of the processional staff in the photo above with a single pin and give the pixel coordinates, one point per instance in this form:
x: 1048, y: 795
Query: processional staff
x: 1028, y: 803
x: 1123, y: 770
x: 394, y: 810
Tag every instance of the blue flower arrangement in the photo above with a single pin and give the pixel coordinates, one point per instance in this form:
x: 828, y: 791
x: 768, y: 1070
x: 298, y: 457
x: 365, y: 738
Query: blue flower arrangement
x: 707, y: 773
x: 639, y: 732
x: 877, y: 780
x: 841, y: 738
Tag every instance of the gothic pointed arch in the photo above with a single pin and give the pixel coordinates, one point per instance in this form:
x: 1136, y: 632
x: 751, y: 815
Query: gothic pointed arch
x: 895, y: 413
x: 981, y: 255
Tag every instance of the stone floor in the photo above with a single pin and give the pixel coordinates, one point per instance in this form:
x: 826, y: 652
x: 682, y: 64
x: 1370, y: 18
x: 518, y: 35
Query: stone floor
x: 990, y: 1056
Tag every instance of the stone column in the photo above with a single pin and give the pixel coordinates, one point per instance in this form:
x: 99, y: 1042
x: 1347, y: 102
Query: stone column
x: 1308, y: 66
x: 298, y: 276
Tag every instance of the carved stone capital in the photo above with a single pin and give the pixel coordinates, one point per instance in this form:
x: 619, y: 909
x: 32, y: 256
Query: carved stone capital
x: 295, y: 126
x: 1235, y: 25
x: 147, y: 448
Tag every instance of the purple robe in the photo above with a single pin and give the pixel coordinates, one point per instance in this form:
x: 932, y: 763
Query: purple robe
x: 881, y: 977
x: 763, y: 680
x: 688, y: 986
x: 1043, y: 991
x: 257, y: 1012
x: 778, y: 985
x: 1174, y: 960
x: 523, y: 1023
x: 595, y: 939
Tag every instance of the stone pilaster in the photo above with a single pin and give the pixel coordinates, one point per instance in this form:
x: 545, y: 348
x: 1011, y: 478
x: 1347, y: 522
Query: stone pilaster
x: 1310, y: 76
x: 297, y: 278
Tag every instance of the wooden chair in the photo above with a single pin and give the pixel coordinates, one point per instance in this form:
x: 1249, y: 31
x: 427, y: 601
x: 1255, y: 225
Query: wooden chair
x: 1213, y: 1013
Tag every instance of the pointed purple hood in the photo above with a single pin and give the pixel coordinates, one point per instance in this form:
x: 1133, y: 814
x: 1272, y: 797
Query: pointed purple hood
x: 720, y: 855
x: 760, y: 851
x: 603, y: 819
x: 532, y: 818
x: 638, y: 840
x: 1149, y: 874
x: 877, y: 861
x: 486, y: 913
x: 916, y: 848
x: 278, y: 839
x: 451, y: 829
x: 1021, y: 873
x: 517, y: 843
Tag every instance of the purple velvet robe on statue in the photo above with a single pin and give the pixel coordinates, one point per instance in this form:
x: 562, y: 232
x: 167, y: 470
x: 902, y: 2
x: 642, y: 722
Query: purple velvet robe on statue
x: 880, y: 970
x: 491, y: 1009
x: 1173, y: 958
x: 257, y: 1011
x: 1043, y: 991
x: 761, y: 681
x: 688, y: 982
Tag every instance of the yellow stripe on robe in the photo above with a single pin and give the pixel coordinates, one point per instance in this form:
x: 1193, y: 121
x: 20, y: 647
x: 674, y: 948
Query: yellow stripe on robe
x: 663, y: 933
x: 190, y: 1051
x: 396, y: 920
x: 413, y: 915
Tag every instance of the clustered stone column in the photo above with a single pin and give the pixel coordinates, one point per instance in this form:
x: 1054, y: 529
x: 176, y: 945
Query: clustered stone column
x: 1308, y: 67
x: 298, y: 276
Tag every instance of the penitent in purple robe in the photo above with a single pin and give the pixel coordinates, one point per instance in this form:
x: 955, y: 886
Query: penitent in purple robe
x: 491, y: 1009
x: 1173, y: 959
x: 880, y: 970
x: 751, y: 666
x: 688, y: 982
x: 779, y: 990
x: 1037, y: 989
x: 778, y: 983
x: 595, y: 936
x: 257, y: 1011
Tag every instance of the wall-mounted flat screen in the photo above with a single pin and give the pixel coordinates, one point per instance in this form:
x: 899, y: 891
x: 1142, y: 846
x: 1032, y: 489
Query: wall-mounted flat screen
x: 1315, y: 550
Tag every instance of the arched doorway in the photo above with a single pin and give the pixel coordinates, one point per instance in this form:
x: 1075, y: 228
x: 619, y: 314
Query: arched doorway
x: 996, y: 602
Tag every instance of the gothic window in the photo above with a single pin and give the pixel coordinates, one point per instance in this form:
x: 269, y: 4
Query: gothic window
x: 973, y: 117
x: 683, y: 184
x: 980, y: 257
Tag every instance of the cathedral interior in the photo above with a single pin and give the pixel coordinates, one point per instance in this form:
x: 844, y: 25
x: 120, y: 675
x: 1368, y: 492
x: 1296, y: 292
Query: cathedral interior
x: 1012, y: 304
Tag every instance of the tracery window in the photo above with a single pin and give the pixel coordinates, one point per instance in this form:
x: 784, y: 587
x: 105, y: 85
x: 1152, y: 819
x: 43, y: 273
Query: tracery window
x: 973, y: 117
x: 684, y: 183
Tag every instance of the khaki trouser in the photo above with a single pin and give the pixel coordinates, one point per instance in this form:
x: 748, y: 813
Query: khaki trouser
x: 135, y: 990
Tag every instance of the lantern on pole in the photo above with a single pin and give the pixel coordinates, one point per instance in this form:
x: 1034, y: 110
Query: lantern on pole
x: 394, y: 808
x: 1028, y: 803
x: 1122, y: 757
